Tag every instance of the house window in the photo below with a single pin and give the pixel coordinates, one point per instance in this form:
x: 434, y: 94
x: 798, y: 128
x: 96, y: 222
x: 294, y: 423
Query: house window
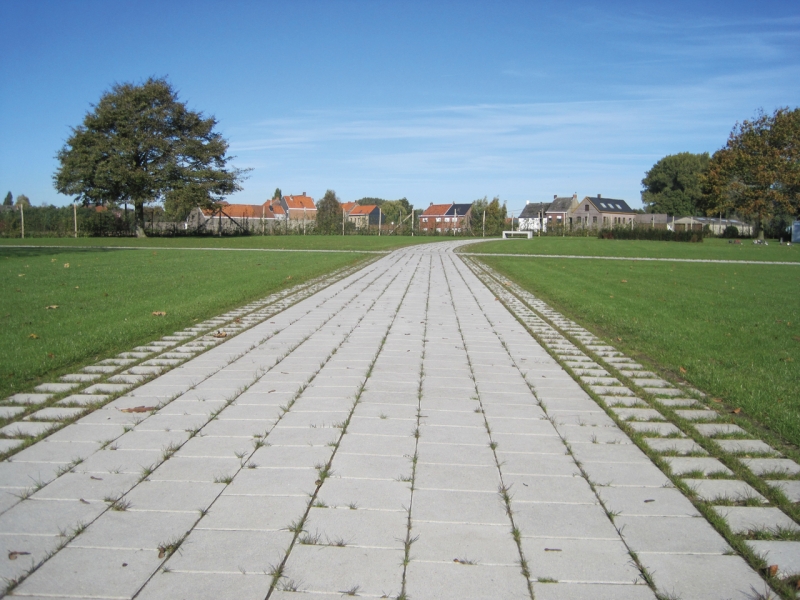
x: 605, y: 220
x: 594, y: 219
x: 586, y: 208
x: 558, y: 218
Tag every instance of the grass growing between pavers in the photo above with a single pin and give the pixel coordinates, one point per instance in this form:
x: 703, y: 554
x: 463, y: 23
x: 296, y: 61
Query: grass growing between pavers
x: 732, y: 331
x: 105, y: 300
x: 250, y: 242
x: 711, y: 248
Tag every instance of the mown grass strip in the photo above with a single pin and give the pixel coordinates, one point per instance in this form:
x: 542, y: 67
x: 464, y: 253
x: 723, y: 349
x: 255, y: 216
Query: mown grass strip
x: 105, y: 300
x: 731, y: 330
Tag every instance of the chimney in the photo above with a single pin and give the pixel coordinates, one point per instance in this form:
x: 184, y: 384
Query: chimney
x: 575, y: 196
x: 431, y: 204
x: 555, y: 196
x: 599, y: 196
x: 527, y: 202
x: 304, y: 193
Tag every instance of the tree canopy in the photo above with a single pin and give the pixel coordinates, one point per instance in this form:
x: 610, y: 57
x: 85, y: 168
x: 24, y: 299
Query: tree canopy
x: 23, y: 200
x: 673, y: 184
x: 495, y: 216
x: 757, y: 173
x: 393, y: 210
x: 278, y: 194
x: 9, y: 200
x: 329, y: 214
x: 139, y: 144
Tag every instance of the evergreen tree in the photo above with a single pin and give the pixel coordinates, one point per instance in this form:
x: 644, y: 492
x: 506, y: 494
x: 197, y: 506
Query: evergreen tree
x: 9, y: 201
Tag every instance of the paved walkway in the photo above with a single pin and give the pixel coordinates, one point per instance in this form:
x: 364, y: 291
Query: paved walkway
x: 396, y: 434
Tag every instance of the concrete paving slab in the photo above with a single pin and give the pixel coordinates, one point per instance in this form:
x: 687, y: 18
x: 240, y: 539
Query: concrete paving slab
x: 446, y: 581
x: 552, y: 520
x: 743, y: 519
x: 116, y: 573
x: 692, y: 535
x: 661, y: 429
x: 716, y: 490
x: 481, y: 544
x: 596, y: 591
x: 234, y: 552
x: 577, y: 560
x: 712, y: 429
x: 674, y: 445
x: 21, y: 429
x: 765, y: 466
x: 681, y: 465
x: 791, y: 488
x: 647, y: 501
x: 346, y: 571
x: 7, y: 412
x: 784, y: 554
x: 55, y: 388
x: 704, y: 577
x: 54, y: 413
x: 82, y: 399
x: 746, y: 447
x: 29, y: 398
x: 254, y: 513
x: 6, y: 445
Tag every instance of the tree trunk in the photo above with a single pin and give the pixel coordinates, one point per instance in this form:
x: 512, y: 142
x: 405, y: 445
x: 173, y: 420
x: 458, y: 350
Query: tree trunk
x: 139, y: 218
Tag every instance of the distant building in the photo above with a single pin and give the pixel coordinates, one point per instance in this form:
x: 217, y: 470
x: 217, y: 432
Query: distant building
x: 598, y: 212
x: 445, y: 217
x: 365, y: 216
x: 533, y: 216
x: 561, y: 210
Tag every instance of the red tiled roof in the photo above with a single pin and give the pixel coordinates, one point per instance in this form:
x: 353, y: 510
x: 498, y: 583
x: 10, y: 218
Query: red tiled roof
x: 240, y: 211
x: 436, y: 210
x: 300, y: 202
x: 348, y: 206
x: 363, y: 210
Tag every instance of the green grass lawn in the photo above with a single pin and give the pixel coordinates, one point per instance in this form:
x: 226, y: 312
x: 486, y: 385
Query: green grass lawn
x: 711, y: 248
x: 282, y: 242
x: 733, y: 328
x: 105, y: 299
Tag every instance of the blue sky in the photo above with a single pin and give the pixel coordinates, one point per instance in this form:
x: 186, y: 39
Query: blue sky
x: 437, y: 102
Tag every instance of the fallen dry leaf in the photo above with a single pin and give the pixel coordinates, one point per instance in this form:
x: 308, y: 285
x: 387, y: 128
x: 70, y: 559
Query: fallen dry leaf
x: 619, y: 339
x: 717, y: 400
x: 51, y: 307
x: 624, y: 281
x: 95, y: 478
x: 22, y: 274
x: 772, y: 570
x: 66, y: 265
x: 162, y: 552
x: 552, y: 549
x: 682, y: 370
x: 649, y: 500
x: 50, y: 355
x: 219, y: 334
x: 15, y: 553
x: 33, y: 336
x: 736, y: 411
x: 83, y: 501
x: 159, y: 313
x: 138, y: 409
x: 237, y: 320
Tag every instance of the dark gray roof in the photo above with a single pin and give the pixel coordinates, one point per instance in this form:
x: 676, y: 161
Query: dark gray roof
x: 458, y: 209
x: 531, y: 211
x: 561, y: 205
x: 609, y: 205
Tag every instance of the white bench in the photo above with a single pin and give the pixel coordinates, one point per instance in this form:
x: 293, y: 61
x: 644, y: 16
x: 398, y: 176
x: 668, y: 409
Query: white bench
x: 511, y: 234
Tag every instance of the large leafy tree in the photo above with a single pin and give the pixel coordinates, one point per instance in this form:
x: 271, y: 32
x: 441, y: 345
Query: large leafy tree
x: 140, y: 144
x: 23, y: 200
x: 757, y: 173
x: 9, y: 200
x: 673, y: 185
x: 329, y: 214
x: 496, y: 215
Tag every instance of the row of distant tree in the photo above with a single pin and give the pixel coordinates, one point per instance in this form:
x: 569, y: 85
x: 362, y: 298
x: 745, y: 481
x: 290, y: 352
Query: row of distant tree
x: 22, y: 200
x: 755, y: 175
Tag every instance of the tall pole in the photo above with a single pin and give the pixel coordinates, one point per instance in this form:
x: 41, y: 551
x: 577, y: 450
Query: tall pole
x: 304, y: 220
x: 75, y: 218
x: 22, y: 218
x: 342, y: 220
x: 484, y: 224
x: 379, y: 221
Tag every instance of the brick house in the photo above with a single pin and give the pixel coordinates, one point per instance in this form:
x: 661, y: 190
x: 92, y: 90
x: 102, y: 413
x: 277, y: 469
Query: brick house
x: 561, y: 210
x: 365, y: 216
x: 431, y: 218
x: 299, y: 208
x: 598, y: 212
